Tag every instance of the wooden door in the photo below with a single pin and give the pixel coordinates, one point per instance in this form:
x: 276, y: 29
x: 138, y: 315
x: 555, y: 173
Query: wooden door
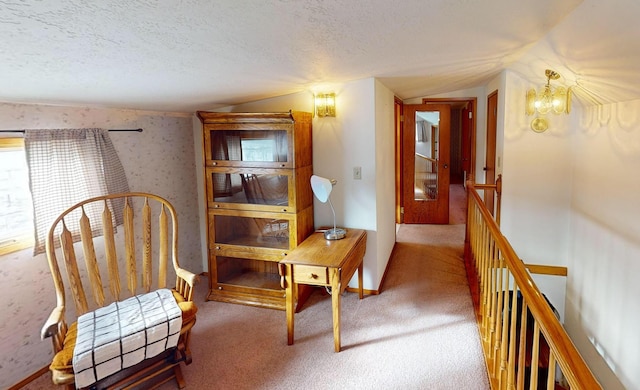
x: 426, y: 150
x: 490, y: 162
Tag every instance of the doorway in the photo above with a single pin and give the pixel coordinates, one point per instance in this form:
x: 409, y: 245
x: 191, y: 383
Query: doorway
x: 460, y: 163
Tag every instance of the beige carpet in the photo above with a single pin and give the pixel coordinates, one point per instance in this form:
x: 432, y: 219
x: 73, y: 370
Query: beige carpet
x: 419, y: 333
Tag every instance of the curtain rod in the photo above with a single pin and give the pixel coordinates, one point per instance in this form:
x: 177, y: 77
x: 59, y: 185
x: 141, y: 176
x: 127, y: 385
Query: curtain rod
x: 22, y: 131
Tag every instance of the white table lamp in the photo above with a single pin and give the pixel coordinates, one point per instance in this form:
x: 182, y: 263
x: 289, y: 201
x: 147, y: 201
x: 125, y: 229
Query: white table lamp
x: 322, y: 189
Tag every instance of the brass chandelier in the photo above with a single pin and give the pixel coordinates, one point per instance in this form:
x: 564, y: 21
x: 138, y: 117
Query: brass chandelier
x: 547, y: 99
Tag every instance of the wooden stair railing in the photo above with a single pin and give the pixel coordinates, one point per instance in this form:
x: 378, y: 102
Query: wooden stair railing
x: 540, y: 357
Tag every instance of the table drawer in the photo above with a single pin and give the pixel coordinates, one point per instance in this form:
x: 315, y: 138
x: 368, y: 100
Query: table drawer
x: 311, y: 274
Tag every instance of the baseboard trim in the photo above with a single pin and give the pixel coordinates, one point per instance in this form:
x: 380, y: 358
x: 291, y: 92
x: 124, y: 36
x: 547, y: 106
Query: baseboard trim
x: 366, y: 292
x: 384, y: 276
x: 30, y: 378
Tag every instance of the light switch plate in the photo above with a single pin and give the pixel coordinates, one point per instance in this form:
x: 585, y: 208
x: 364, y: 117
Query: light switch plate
x: 357, y: 173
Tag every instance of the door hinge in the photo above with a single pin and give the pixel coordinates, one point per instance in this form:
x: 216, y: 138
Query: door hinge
x: 470, y: 115
x: 401, y: 118
x: 401, y: 210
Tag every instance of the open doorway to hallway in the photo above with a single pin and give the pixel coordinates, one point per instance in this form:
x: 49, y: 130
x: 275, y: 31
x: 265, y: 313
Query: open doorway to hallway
x: 462, y: 154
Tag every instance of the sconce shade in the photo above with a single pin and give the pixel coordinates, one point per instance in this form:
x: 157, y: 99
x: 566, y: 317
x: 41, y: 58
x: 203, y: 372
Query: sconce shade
x: 325, y: 104
x: 321, y: 188
x: 549, y: 99
x: 539, y: 125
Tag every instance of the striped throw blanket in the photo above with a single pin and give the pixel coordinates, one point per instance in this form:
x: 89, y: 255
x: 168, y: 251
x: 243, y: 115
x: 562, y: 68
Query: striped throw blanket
x: 125, y: 333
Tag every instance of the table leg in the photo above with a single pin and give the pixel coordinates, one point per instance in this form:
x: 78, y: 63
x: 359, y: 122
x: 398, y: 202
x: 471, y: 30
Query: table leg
x: 289, y: 302
x: 360, y: 289
x: 335, y: 306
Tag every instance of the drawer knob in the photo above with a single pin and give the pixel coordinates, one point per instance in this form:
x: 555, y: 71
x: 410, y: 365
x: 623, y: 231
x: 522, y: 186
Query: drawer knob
x: 314, y: 276
x: 217, y: 248
x: 284, y: 210
x: 216, y: 206
x: 282, y: 165
x: 284, y: 253
x: 214, y: 163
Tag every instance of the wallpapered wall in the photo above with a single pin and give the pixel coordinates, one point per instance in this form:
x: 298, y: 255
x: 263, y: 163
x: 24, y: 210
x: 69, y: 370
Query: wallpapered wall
x: 159, y: 160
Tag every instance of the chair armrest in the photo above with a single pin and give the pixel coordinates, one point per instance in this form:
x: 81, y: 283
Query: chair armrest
x: 52, y: 325
x: 185, y: 283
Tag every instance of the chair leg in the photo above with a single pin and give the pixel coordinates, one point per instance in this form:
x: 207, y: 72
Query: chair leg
x: 179, y: 378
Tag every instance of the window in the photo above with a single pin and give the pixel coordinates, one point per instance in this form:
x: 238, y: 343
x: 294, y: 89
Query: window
x: 16, y: 211
x: 47, y: 172
x: 258, y: 149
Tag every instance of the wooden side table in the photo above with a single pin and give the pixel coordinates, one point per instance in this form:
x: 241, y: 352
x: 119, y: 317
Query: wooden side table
x: 321, y: 262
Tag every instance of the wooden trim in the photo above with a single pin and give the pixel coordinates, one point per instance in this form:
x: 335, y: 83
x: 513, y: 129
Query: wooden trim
x: 364, y: 291
x: 384, y: 277
x: 30, y: 378
x: 398, y: 109
x: 18, y: 243
x: 11, y: 142
x: 26, y: 240
x: 547, y: 269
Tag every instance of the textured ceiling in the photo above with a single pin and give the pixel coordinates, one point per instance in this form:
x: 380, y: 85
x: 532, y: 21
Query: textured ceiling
x: 202, y: 54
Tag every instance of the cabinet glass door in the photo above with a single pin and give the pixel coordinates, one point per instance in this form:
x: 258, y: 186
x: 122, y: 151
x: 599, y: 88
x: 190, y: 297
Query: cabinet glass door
x: 261, y: 230
x: 254, y: 189
x: 269, y: 148
x: 247, y: 273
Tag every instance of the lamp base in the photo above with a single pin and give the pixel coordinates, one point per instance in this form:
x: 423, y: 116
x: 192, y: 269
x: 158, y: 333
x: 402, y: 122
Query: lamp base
x: 335, y: 234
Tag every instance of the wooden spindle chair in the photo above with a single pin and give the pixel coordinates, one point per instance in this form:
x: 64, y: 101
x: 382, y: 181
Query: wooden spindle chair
x: 133, y: 257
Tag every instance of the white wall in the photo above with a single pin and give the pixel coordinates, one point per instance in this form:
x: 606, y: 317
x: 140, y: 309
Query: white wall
x: 536, y: 193
x: 361, y: 135
x: 158, y: 160
x: 570, y: 198
x: 385, y: 176
x: 603, y: 309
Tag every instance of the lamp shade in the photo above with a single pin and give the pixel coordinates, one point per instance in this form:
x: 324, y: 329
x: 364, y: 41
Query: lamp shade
x: 321, y: 187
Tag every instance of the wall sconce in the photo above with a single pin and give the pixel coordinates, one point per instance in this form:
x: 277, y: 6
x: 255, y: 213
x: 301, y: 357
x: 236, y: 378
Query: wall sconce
x: 325, y: 104
x: 547, y: 99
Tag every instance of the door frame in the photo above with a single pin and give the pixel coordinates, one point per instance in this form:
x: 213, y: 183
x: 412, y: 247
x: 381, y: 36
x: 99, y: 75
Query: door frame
x: 473, y: 104
x: 399, y: 120
x: 491, y: 144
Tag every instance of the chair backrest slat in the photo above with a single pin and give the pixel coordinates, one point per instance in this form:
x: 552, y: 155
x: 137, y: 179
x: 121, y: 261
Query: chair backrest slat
x: 110, y: 252
x: 130, y: 248
x: 75, y: 283
x: 90, y: 259
x: 146, y: 250
x: 163, y: 248
x: 131, y: 257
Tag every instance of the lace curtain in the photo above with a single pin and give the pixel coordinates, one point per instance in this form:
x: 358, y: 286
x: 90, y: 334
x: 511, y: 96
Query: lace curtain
x: 65, y: 167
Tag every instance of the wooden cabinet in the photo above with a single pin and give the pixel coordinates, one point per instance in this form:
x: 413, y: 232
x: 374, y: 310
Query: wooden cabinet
x: 259, y: 201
